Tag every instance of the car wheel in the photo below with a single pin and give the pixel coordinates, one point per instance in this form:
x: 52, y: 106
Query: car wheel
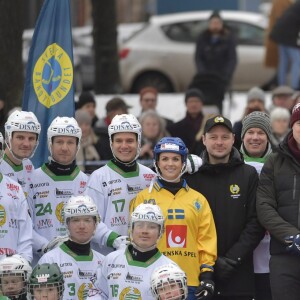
x: 155, y: 79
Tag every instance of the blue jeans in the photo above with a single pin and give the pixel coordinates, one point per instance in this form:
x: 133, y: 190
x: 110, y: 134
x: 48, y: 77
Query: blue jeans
x: 191, y: 293
x: 289, y: 58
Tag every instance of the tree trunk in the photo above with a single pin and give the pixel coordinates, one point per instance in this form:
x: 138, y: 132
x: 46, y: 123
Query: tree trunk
x: 11, y: 70
x: 107, y: 77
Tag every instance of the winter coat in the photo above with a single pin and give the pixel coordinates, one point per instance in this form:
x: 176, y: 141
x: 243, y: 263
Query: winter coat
x: 218, y: 56
x: 278, y: 197
x: 186, y: 129
x: 278, y: 7
x: 230, y: 190
x: 286, y: 30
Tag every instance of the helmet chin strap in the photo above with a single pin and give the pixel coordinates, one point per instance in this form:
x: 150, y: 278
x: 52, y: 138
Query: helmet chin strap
x: 18, y: 158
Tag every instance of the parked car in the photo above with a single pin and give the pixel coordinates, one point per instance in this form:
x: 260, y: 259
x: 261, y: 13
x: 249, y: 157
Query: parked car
x: 162, y: 53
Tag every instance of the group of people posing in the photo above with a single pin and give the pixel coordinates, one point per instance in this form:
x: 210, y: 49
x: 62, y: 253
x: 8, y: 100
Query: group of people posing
x: 192, y: 227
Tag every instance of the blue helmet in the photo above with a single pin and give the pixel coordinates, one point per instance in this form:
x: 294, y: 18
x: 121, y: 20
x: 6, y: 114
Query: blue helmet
x: 171, y: 144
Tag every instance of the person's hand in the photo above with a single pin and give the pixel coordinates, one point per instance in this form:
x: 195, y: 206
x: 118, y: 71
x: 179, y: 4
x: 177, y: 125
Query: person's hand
x: 121, y: 242
x: 293, y: 242
x: 205, y: 290
x: 225, y: 268
x: 55, y: 242
x: 146, y: 149
x: 193, y: 163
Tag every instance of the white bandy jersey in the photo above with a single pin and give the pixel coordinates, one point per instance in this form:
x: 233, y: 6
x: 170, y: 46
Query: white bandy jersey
x: 78, y: 270
x: 15, y: 222
x: 21, y: 173
x: 112, y: 190
x: 46, y: 199
x: 121, y: 277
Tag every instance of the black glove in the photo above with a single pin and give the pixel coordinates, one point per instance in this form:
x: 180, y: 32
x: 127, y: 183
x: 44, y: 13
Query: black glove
x: 205, y: 290
x: 293, y: 242
x: 225, y: 268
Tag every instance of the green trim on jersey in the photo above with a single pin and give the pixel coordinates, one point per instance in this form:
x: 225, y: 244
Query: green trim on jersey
x: 61, y: 177
x: 16, y: 168
x: 115, y: 168
x: 1, y: 177
x: 141, y: 264
x: 111, y: 238
x: 76, y: 257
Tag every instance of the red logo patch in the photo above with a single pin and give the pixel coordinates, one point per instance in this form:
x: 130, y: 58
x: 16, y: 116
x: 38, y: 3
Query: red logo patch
x: 176, y: 236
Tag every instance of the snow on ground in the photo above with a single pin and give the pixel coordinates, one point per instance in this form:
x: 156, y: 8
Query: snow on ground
x: 172, y: 106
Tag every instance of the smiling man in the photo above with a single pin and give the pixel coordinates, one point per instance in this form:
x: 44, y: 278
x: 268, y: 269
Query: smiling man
x: 229, y: 185
x: 22, y: 131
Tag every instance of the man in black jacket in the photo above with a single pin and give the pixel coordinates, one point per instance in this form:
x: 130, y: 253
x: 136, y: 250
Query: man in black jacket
x: 229, y: 185
x: 278, y: 211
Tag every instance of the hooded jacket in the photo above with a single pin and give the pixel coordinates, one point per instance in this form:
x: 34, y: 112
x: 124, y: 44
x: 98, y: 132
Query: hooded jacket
x: 278, y: 197
x: 230, y: 189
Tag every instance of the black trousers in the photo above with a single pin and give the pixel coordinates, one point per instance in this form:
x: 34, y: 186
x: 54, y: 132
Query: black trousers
x: 262, y: 286
x: 285, y: 277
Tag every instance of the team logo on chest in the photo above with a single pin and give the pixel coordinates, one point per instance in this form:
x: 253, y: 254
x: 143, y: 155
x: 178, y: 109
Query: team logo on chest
x: 176, y: 236
x: 235, y: 191
x: 130, y: 293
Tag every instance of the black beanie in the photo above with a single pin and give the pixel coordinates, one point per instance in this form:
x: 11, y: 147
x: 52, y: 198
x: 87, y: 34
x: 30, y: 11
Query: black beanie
x: 84, y: 98
x: 194, y: 93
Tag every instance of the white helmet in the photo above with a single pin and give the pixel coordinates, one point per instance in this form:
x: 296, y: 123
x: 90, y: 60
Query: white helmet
x: 148, y: 213
x: 82, y: 205
x: 168, y: 275
x: 15, y: 265
x: 63, y: 126
x: 125, y: 123
x: 25, y: 121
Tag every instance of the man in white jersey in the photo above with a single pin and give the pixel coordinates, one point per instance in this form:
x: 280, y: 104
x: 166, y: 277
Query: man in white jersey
x: 169, y: 282
x: 14, y: 276
x: 22, y: 131
x: 114, y: 185
x: 15, y: 222
x: 77, y: 261
x: 55, y: 182
x: 125, y: 274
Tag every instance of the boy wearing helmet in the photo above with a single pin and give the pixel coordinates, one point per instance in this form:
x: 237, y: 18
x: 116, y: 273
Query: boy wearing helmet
x: 22, y: 131
x: 125, y: 274
x: 76, y: 259
x: 169, y: 282
x: 14, y: 276
x: 15, y: 222
x: 46, y: 281
x: 190, y: 237
x: 115, y: 184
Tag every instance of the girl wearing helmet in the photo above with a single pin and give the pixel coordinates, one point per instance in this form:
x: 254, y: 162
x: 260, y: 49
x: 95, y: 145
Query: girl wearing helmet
x: 121, y: 178
x: 22, y: 131
x: 77, y: 261
x: 190, y: 237
x: 14, y: 276
x: 125, y: 274
x: 169, y: 282
x: 46, y: 281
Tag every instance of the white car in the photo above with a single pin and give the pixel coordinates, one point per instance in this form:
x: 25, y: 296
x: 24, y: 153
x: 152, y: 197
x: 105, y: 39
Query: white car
x: 162, y: 53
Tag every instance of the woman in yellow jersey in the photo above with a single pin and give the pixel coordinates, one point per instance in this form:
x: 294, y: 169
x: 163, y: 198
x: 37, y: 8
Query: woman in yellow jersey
x: 190, y: 236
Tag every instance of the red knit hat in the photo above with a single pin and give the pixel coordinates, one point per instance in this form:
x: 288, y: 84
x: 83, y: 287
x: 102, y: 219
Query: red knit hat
x: 295, y: 114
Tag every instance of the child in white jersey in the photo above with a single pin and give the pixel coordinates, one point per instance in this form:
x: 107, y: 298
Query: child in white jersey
x: 77, y: 261
x: 46, y: 282
x: 125, y: 274
x: 14, y: 276
x: 169, y: 282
